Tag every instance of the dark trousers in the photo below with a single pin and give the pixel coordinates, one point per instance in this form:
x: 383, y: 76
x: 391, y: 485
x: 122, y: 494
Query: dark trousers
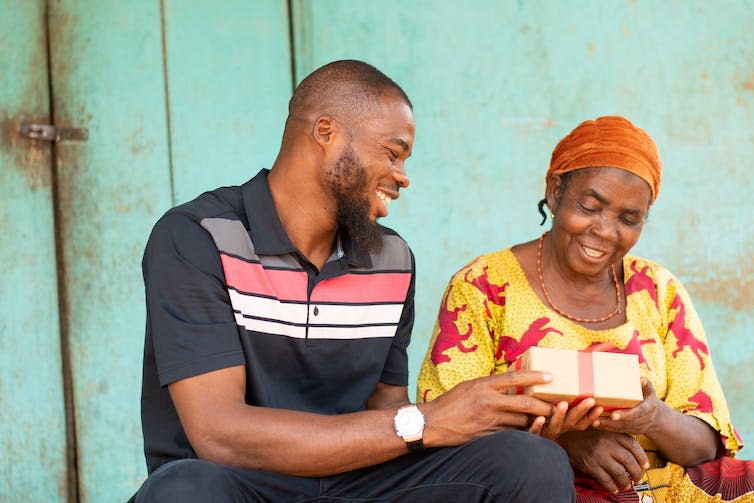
x: 507, y: 466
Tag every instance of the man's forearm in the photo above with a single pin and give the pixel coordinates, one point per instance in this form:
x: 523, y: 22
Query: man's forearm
x: 298, y: 443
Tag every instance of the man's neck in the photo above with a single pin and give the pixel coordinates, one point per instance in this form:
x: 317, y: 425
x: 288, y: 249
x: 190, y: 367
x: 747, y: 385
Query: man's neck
x: 306, y: 213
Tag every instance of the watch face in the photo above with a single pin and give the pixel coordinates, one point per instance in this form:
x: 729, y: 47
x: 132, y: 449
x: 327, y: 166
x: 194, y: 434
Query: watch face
x: 409, y: 422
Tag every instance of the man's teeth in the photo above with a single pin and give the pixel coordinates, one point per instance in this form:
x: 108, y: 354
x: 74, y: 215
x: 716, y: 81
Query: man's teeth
x: 383, y: 197
x: 592, y: 253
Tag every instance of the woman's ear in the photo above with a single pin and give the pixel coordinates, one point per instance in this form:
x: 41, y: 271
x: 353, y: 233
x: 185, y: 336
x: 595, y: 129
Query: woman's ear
x: 553, y: 192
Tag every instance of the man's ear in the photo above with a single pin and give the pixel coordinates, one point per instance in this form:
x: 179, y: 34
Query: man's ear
x: 552, y: 192
x: 324, y: 131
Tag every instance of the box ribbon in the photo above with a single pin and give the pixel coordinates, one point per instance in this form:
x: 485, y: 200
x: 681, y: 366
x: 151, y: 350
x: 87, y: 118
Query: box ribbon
x: 586, y: 377
x: 517, y: 365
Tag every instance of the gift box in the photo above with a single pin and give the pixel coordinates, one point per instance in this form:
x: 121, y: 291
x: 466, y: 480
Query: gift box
x: 612, y: 379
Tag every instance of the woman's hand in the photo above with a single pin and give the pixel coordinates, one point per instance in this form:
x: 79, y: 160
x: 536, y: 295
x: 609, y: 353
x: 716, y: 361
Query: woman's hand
x: 638, y: 420
x: 683, y: 439
x: 563, y: 419
x: 615, y: 460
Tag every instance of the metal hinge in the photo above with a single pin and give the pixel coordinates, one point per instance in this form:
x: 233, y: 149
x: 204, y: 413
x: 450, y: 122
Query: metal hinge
x: 48, y: 132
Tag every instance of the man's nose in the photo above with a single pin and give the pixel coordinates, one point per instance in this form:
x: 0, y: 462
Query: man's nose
x: 400, y: 177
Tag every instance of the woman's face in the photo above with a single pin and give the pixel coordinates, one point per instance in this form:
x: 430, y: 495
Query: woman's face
x: 598, y: 217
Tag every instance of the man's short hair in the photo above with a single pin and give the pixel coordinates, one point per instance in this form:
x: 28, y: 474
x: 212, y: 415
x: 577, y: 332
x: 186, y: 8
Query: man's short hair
x: 346, y: 90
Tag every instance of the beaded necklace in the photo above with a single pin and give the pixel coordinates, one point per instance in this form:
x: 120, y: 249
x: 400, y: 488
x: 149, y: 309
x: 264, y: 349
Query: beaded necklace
x: 564, y: 314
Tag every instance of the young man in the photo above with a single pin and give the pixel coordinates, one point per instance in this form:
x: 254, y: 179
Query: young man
x: 278, y: 316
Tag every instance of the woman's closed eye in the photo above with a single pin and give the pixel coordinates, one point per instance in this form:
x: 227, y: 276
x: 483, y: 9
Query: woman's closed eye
x: 631, y: 220
x: 587, y: 209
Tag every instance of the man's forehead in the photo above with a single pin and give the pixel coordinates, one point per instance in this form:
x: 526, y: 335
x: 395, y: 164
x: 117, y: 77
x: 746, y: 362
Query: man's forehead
x: 394, y: 114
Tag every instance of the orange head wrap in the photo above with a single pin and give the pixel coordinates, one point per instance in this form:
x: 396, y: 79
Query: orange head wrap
x: 608, y: 142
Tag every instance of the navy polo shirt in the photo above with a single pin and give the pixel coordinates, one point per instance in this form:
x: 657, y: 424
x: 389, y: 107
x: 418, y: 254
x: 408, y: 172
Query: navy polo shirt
x: 225, y: 287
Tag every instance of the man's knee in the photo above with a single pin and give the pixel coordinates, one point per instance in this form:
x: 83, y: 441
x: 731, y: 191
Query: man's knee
x: 186, y: 480
x: 524, y: 465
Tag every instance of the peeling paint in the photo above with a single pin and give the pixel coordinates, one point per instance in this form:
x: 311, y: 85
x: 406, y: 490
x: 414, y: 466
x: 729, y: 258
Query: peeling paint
x: 141, y: 143
x: 733, y: 289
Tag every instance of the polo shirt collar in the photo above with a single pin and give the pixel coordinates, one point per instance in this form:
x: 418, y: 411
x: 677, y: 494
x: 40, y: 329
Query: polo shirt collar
x: 267, y: 232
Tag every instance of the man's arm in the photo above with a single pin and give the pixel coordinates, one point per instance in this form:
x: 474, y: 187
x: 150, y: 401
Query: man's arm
x: 223, y: 428
x: 387, y: 396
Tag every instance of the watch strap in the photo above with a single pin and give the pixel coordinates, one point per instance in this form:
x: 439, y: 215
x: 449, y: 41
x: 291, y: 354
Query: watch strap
x: 415, y: 446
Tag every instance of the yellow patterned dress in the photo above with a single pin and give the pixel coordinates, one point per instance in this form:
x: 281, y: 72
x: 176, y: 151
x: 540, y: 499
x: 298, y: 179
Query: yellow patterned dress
x: 490, y: 315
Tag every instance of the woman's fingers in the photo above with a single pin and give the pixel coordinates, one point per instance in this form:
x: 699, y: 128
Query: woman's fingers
x: 639, y: 457
x: 536, y: 425
x: 582, y: 415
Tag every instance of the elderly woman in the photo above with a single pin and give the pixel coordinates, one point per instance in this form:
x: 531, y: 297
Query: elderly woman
x: 576, y: 287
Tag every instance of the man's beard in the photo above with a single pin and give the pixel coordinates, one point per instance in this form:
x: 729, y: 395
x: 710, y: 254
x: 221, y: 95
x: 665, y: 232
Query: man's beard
x: 349, y: 185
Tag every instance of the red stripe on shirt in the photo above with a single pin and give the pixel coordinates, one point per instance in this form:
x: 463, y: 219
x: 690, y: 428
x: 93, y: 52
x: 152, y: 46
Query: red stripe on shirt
x: 255, y: 279
x: 377, y: 287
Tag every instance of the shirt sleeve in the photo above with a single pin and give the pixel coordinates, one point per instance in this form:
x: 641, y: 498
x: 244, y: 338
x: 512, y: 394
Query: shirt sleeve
x: 693, y: 386
x: 189, y: 315
x: 462, y: 344
x: 395, y: 371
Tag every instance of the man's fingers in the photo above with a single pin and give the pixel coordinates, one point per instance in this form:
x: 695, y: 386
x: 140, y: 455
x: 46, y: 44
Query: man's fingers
x: 519, y: 378
x: 512, y: 420
x: 524, y: 404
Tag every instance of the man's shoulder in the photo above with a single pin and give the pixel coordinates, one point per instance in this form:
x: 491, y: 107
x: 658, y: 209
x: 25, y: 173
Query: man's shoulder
x: 182, y: 226
x: 395, y: 252
x: 222, y: 202
x: 391, y: 235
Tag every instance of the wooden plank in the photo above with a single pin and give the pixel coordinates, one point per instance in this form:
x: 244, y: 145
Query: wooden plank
x: 32, y: 412
x: 107, y: 76
x: 229, y: 81
x: 497, y: 85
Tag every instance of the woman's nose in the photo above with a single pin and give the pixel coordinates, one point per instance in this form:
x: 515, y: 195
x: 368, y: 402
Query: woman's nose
x: 606, y: 226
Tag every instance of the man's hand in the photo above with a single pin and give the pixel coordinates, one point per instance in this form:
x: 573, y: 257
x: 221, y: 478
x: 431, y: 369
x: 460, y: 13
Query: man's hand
x: 615, y: 460
x: 563, y: 419
x: 482, y: 406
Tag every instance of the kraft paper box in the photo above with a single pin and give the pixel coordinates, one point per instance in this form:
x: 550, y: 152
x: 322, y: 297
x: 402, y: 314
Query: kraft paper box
x: 613, y: 379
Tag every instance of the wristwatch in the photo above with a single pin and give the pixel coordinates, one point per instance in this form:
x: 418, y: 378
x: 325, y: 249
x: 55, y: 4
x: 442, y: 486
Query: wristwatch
x: 409, y: 425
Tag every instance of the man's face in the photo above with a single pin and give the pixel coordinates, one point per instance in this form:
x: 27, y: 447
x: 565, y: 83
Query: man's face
x: 369, y: 171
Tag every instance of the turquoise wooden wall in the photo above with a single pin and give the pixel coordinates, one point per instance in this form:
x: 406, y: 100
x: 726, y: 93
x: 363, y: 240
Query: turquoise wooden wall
x: 181, y: 97
x: 32, y: 408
